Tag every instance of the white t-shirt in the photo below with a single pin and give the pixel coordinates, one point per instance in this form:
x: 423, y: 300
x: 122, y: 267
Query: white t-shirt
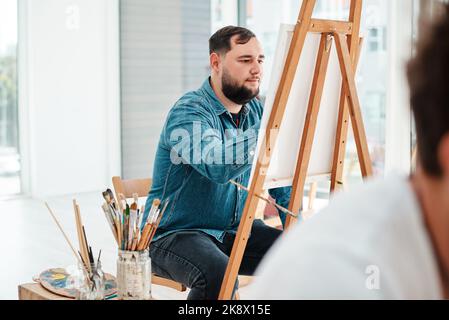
x: 369, y: 243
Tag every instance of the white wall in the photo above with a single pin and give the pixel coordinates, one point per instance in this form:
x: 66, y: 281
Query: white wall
x: 69, y: 95
x: 164, y: 53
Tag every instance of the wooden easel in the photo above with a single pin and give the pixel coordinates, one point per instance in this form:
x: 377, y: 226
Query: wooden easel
x: 347, y: 40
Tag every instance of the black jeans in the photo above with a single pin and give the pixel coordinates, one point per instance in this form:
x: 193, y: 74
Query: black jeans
x: 199, y: 261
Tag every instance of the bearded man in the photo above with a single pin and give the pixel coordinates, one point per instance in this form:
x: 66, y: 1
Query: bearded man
x: 209, y: 138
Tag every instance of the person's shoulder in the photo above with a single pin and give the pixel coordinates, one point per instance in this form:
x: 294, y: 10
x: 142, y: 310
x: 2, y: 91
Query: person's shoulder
x: 316, y: 269
x: 192, y: 99
x: 354, y: 219
x: 374, y: 199
x: 193, y: 104
x: 365, y: 209
x: 375, y: 225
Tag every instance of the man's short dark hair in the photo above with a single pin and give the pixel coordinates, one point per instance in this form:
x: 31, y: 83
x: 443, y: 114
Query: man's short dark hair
x: 428, y: 77
x: 220, y: 42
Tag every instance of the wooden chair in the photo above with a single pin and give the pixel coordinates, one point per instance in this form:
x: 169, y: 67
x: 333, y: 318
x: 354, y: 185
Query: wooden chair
x: 142, y: 187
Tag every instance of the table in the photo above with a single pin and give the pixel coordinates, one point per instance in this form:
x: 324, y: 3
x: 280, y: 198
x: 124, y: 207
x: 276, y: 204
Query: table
x: 34, y: 291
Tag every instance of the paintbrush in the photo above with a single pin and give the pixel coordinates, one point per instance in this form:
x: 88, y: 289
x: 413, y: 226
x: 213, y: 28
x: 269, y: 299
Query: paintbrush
x: 122, y: 201
x: 111, y: 196
x: 135, y: 205
x: 98, y: 260
x: 265, y: 199
x: 91, y: 255
x: 147, y: 225
x: 81, y: 239
x: 86, y: 243
x: 154, y: 207
x: 153, y: 229
x: 139, y: 219
x: 80, y: 261
x: 110, y: 219
x: 110, y: 200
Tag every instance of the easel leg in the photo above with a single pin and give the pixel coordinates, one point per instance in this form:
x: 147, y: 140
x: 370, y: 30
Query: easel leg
x: 342, y: 132
x: 312, y: 195
x: 309, y: 126
x: 354, y: 104
x: 354, y: 44
x: 261, y: 208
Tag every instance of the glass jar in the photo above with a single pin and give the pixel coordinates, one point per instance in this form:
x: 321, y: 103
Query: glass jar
x: 133, y: 275
x: 92, y: 284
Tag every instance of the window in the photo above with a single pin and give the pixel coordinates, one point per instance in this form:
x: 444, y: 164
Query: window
x: 376, y: 39
x: 164, y: 53
x: 9, y: 140
x: 223, y: 13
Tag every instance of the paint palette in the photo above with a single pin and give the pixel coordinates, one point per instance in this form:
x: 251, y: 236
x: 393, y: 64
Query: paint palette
x: 58, y: 281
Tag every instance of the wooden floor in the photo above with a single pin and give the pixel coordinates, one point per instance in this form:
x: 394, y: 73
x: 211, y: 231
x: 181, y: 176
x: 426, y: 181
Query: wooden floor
x: 31, y: 241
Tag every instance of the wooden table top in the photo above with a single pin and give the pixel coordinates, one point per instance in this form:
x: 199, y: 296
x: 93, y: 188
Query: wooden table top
x: 34, y: 291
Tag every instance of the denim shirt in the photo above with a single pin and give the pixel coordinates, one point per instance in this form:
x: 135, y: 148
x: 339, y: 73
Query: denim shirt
x: 200, y: 149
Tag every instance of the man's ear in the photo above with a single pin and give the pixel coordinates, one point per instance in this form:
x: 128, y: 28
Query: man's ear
x: 443, y: 154
x: 215, y: 61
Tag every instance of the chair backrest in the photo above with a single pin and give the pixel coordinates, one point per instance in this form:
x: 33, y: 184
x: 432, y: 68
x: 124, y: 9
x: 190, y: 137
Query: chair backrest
x: 131, y: 186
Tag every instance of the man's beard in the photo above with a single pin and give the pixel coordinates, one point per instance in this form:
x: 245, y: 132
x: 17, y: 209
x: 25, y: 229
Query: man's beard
x: 237, y: 94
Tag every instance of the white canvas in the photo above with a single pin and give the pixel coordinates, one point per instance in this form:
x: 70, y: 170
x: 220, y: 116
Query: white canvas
x: 284, y: 157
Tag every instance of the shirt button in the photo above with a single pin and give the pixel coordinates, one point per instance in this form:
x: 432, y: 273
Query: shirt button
x: 251, y: 153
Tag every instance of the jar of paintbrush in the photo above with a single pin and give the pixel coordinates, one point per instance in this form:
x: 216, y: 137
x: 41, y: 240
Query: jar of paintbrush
x: 133, y: 275
x: 133, y: 232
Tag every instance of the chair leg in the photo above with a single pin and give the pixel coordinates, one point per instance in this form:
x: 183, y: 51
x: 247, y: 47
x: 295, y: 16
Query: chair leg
x: 312, y: 195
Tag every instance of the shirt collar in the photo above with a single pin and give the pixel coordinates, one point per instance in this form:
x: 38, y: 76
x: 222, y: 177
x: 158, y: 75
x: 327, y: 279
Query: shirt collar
x: 218, y: 107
